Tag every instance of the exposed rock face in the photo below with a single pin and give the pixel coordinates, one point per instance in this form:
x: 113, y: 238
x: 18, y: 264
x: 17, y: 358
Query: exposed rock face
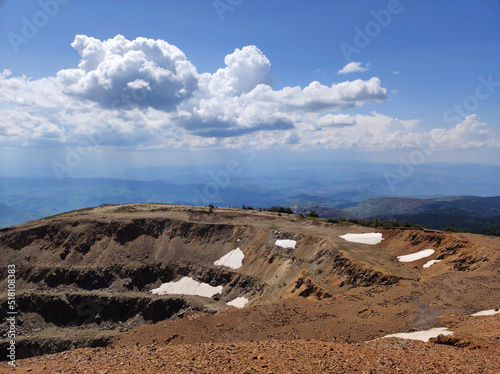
x: 84, y: 277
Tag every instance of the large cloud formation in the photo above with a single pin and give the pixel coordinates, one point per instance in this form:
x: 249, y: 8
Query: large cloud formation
x: 146, y: 93
x: 123, y: 73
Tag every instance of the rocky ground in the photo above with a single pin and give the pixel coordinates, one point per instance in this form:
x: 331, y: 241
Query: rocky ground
x: 274, y: 339
x: 270, y: 356
x: 85, y: 279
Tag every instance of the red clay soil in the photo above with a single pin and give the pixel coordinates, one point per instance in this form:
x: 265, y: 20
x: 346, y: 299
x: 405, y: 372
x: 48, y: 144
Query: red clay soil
x: 299, y: 356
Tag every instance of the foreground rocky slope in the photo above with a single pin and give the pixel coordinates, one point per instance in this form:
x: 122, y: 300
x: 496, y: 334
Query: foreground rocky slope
x: 84, y: 277
x: 271, y: 356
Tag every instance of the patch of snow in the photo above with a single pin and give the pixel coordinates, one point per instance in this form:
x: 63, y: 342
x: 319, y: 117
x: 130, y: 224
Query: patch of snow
x: 239, y: 302
x: 488, y: 312
x: 286, y: 243
x: 430, y: 263
x: 423, y: 335
x: 416, y: 256
x: 187, y: 286
x: 233, y: 259
x: 369, y: 238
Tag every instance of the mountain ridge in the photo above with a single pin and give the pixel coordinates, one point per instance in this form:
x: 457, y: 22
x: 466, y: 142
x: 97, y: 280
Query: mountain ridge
x: 26, y: 199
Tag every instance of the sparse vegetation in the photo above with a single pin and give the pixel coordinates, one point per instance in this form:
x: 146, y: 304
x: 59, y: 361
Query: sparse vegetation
x: 374, y: 223
x: 280, y: 209
x: 490, y: 225
x: 388, y: 224
x: 72, y: 211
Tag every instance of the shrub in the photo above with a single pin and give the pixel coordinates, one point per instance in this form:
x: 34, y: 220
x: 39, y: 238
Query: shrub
x: 280, y: 209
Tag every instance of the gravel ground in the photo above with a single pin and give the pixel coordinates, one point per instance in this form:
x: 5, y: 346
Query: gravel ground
x: 300, y: 356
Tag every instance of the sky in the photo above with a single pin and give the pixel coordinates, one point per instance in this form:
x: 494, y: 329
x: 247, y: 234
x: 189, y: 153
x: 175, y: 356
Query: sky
x: 95, y: 88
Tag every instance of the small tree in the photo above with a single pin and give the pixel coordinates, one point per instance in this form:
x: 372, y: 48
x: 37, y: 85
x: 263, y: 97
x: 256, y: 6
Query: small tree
x: 313, y: 214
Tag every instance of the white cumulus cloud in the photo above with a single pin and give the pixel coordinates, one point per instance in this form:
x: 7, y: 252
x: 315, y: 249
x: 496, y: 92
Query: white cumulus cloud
x: 245, y: 69
x: 353, y: 67
x: 470, y: 133
x: 337, y: 120
x: 119, y: 72
x: 146, y: 94
x: 380, y: 132
x: 146, y: 87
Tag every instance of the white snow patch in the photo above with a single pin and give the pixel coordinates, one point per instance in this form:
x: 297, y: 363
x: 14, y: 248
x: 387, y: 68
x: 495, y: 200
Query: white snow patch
x: 369, y: 238
x: 416, y: 256
x: 488, y: 312
x: 430, y: 263
x: 423, y: 335
x: 286, y: 243
x: 239, y: 302
x: 233, y: 259
x: 187, y: 286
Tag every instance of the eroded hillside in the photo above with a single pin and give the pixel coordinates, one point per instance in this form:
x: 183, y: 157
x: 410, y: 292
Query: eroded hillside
x: 84, y: 277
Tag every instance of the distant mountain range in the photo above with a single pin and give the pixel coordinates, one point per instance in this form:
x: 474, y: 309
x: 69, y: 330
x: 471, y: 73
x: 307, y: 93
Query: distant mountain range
x: 10, y: 216
x: 398, y: 206
x: 437, y: 195
x: 466, y: 213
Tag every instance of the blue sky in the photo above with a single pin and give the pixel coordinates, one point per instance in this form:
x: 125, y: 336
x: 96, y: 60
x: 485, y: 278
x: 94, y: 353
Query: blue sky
x: 245, y: 74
